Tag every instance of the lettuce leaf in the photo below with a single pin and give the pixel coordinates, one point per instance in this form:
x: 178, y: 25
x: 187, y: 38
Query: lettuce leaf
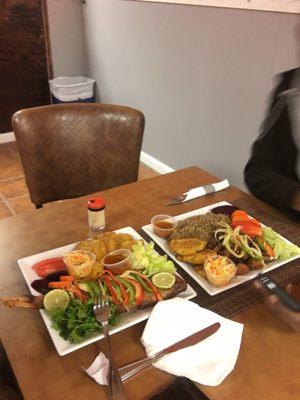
x: 148, y: 261
x: 282, y: 249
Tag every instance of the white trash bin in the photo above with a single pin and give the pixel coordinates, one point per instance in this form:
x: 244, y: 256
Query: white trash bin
x: 72, y: 89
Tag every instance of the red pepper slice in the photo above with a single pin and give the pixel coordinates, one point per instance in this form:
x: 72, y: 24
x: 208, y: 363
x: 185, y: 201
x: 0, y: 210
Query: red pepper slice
x: 139, y: 292
x: 123, y: 290
x: 150, y: 284
x: 111, y: 289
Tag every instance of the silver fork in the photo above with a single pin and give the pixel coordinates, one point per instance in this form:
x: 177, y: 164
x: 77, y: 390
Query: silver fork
x: 176, y: 200
x: 115, y: 387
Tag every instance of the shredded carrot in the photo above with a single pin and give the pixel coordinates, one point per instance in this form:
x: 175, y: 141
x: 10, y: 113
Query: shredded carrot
x: 78, y: 293
x: 67, y: 278
x: 59, y: 285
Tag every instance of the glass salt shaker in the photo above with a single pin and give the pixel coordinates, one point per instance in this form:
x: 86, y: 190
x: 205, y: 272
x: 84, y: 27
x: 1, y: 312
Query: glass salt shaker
x: 96, y: 214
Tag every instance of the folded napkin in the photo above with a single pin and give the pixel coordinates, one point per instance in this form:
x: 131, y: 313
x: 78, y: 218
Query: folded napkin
x: 206, y: 189
x: 99, y: 369
x: 209, y: 361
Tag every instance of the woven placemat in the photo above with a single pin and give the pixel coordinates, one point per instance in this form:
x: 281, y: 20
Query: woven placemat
x: 240, y: 298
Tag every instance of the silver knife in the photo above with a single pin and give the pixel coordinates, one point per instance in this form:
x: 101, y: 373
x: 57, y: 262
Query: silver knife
x: 130, y: 369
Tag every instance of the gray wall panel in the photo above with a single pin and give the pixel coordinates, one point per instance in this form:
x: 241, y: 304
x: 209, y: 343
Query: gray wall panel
x: 201, y: 75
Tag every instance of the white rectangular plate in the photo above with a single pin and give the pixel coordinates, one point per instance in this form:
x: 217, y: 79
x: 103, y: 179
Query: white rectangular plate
x: 212, y: 290
x: 62, y: 346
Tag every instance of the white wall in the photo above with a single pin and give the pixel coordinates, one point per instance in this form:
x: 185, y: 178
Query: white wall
x: 292, y: 6
x: 66, y: 37
x: 201, y: 75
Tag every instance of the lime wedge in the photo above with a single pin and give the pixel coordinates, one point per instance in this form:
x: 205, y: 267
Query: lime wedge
x: 56, y: 300
x: 163, y: 280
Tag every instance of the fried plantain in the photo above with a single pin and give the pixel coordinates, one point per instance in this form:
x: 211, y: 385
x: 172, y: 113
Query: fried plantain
x: 128, y: 244
x: 197, y: 258
x: 110, y: 240
x: 97, y: 270
x: 185, y: 247
x: 106, y: 242
x: 96, y: 246
x: 122, y: 237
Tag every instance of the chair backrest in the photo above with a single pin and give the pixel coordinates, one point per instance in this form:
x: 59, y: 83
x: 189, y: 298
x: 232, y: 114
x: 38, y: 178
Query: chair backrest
x: 70, y: 150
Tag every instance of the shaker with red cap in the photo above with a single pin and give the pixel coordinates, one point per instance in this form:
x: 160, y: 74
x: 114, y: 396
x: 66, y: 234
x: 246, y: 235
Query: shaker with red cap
x: 96, y: 213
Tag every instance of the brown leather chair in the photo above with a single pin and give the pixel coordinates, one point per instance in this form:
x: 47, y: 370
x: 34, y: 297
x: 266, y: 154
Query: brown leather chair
x: 70, y: 150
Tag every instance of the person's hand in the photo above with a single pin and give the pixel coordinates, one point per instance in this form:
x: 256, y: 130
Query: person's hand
x: 291, y: 318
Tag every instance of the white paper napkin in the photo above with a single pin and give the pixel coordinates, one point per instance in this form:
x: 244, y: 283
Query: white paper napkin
x: 209, y: 361
x: 98, y: 370
x: 206, y: 189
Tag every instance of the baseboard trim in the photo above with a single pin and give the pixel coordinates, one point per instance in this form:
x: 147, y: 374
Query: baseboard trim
x: 155, y: 164
x: 7, y: 137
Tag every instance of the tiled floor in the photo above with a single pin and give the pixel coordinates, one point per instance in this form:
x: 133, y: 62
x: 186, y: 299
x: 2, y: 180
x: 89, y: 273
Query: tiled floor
x: 14, y: 196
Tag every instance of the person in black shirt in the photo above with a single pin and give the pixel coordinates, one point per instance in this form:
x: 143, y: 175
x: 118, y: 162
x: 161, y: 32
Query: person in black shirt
x: 273, y: 172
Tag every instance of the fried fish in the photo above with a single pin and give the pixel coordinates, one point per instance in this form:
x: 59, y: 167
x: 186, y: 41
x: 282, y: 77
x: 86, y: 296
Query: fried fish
x: 149, y: 298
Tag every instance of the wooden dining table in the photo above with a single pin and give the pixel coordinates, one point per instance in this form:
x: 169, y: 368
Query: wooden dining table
x: 268, y: 364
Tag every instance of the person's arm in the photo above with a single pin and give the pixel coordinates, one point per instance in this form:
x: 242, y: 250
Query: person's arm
x: 291, y: 318
x: 263, y: 173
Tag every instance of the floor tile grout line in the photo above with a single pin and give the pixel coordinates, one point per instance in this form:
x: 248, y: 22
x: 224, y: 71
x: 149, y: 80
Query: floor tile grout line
x: 20, y: 196
x: 11, y: 179
x: 8, y: 205
x: 12, y: 150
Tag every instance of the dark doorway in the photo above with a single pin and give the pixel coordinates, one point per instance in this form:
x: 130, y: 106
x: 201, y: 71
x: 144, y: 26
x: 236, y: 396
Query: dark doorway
x: 25, y: 65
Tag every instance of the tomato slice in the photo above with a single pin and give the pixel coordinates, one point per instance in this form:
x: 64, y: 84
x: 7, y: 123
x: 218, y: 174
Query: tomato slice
x: 239, y: 217
x: 249, y: 228
x: 48, y: 271
x: 45, y: 268
x: 47, y: 261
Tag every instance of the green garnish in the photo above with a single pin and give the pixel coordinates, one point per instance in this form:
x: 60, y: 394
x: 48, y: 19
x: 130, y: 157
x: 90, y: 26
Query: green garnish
x: 78, y: 321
